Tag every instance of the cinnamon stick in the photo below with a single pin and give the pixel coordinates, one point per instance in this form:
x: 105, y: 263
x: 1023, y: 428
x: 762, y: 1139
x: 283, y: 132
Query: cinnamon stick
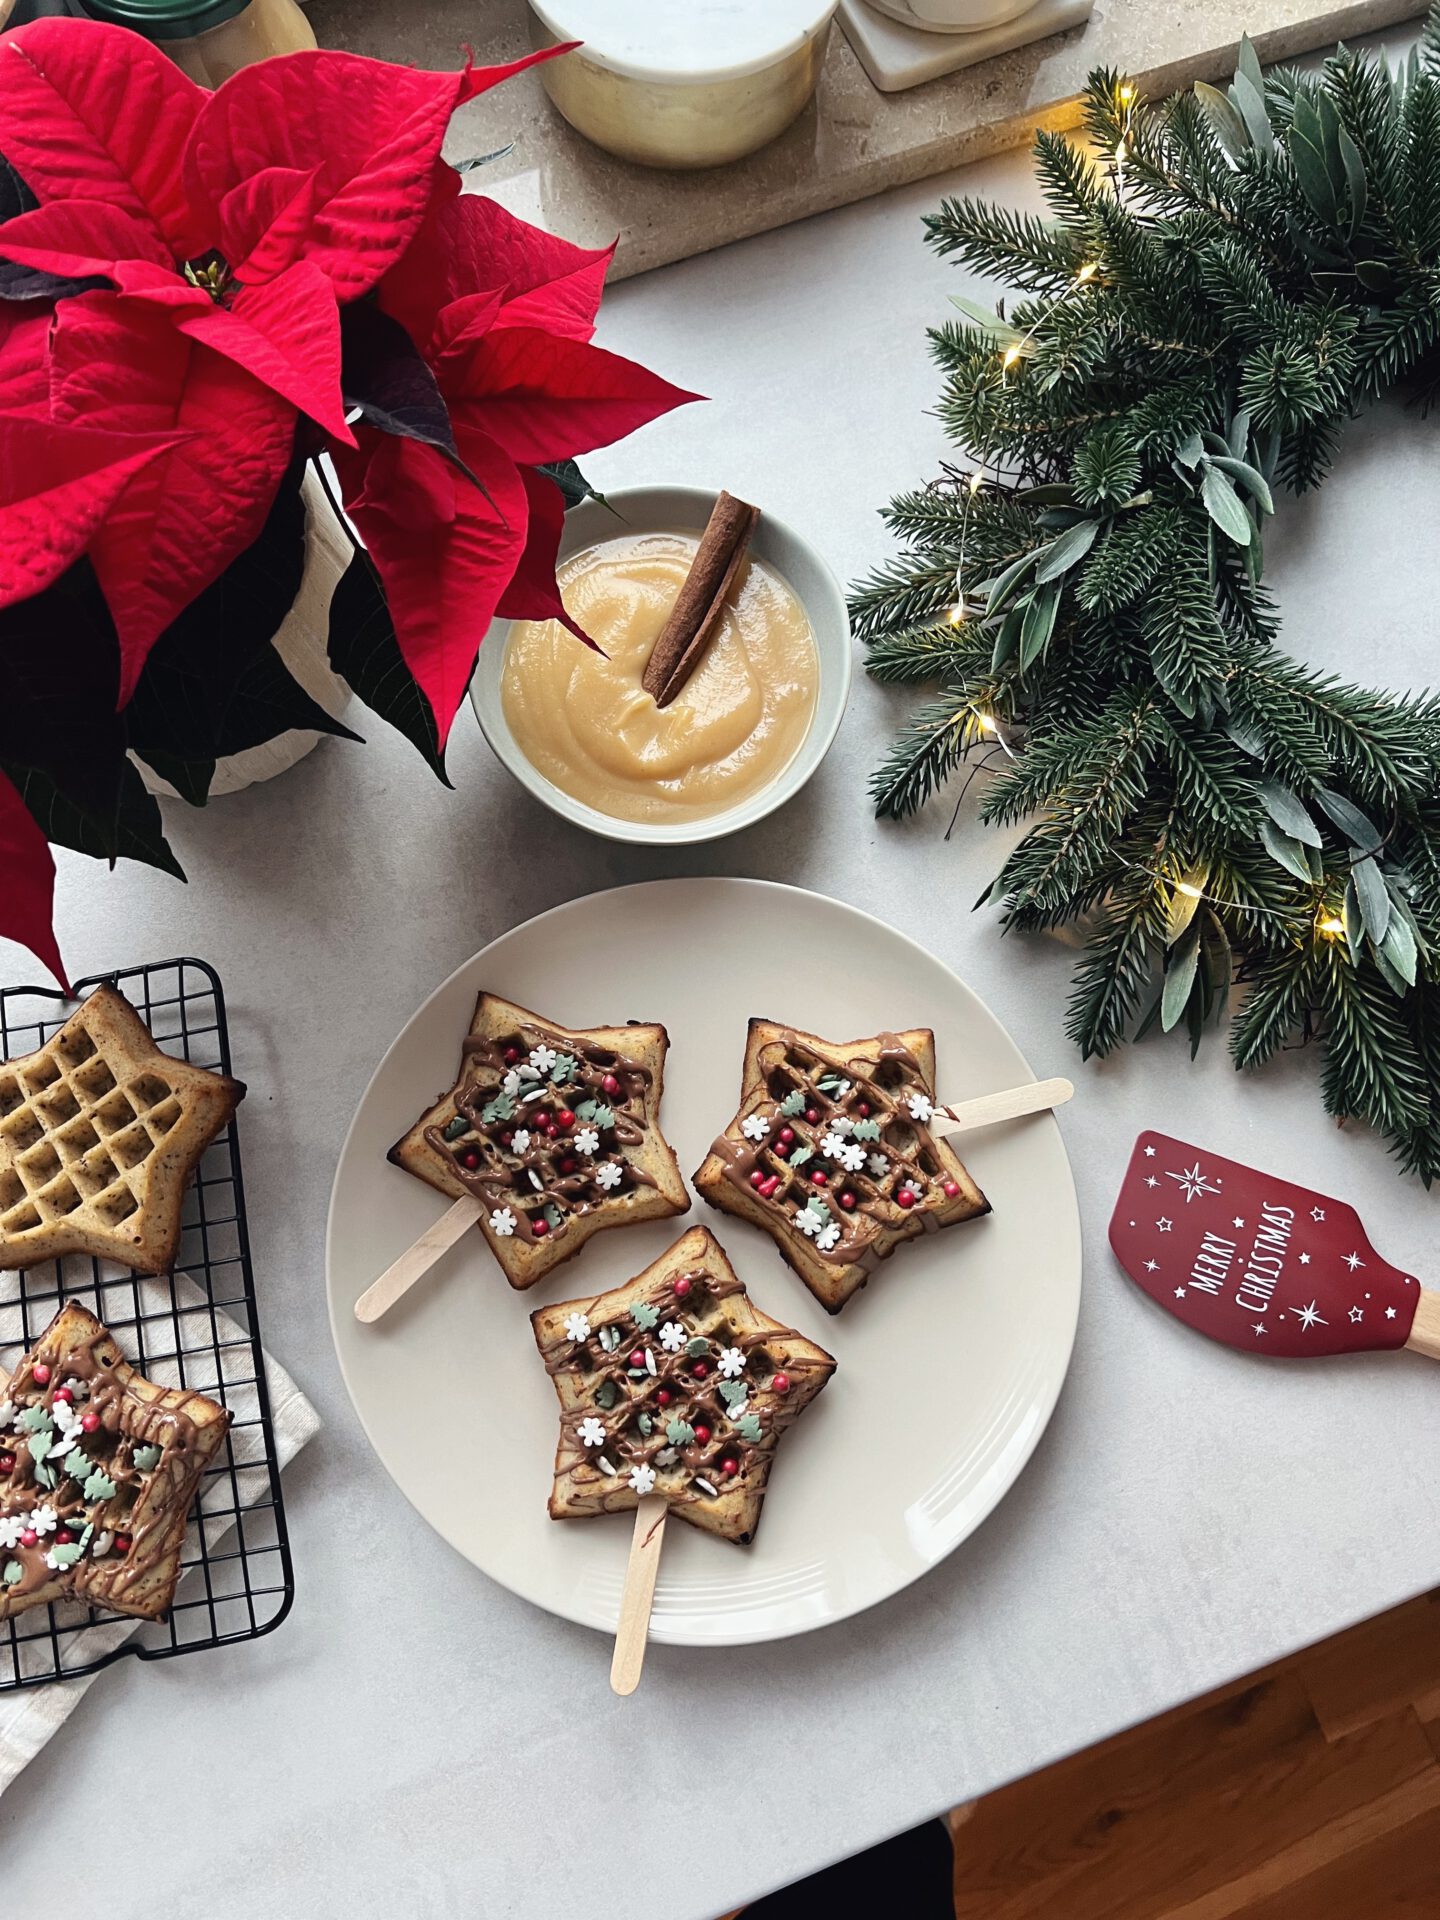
x: 696, y: 612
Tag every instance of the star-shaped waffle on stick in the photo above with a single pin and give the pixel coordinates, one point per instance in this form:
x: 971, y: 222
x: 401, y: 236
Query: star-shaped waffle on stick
x: 674, y: 1385
x: 100, y: 1133
x: 552, y: 1132
x: 832, y: 1154
x: 98, y: 1467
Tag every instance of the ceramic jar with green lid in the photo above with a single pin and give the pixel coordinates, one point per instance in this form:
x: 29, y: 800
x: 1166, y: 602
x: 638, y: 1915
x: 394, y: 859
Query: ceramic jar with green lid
x: 209, y: 39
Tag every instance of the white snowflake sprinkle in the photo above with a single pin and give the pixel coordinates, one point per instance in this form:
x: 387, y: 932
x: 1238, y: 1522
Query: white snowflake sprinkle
x: 608, y: 1175
x: 642, y: 1479
x: 851, y: 1156
x: 672, y: 1336
x: 577, y: 1326
x: 828, y: 1236
x: 521, y: 1141
x: 809, y: 1222
x: 840, y: 1123
x: 542, y: 1059
x: 79, y: 1388
x: 510, y: 1083
x: 591, y: 1432
x: 755, y: 1126
x: 831, y: 1145
x: 877, y: 1166
x: 9, y: 1414
x: 667, y: 1456
x: 731, y: 1362
x: 64, y: 1416
x: 921, y: 1106
x: 43, y: 1518
x: 502, y: 1221
x: 101, y: 1544
x: 11, y: 1527
x: 587, y: 1140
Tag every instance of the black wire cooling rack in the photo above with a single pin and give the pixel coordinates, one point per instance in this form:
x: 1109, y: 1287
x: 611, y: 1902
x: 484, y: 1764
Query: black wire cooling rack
x: 236, y: 1581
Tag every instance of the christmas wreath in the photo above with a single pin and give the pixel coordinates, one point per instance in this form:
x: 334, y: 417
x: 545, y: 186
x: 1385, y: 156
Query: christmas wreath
x: 1228, y: 277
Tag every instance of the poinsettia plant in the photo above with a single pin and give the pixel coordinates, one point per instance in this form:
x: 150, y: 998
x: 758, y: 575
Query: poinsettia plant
x: 202, y: 296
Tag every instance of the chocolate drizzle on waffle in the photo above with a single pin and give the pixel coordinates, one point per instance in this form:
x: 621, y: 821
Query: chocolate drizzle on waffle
x: 835, y: 1119
x: 702, y: 1424
x: 513, y: 1141
x: 144, y: 1455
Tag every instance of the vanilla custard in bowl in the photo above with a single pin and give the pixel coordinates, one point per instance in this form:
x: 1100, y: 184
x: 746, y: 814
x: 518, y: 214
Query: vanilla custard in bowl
x: 585, y: 722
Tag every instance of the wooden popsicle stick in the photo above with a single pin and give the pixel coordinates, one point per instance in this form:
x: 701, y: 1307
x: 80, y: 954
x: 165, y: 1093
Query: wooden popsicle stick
x: 639, y: 1596
x: 1010, y: 1104
x: 1425, y: 1333
x: 417, y: 1260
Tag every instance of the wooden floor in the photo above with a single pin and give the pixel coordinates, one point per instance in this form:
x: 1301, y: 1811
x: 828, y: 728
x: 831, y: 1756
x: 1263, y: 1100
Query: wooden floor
x: 1308, y: 1792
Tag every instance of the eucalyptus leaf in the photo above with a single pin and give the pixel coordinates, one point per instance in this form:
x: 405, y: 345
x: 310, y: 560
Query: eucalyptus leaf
x: 1313, y: 175
x: 1066, y: 551
x: 1039, y: 623
x: 1349, y: 819
x: 1225, y: 120
x: 1354, y: 922
x: 1374, y: 897
x: 1190, y: 450
x: 1290, y: 853
x: 1179, y: 977
x: 985, y: 318
x: 1354, y: 179
x: 1400, y: 950
x: 1224, y: 506
x: 1181, y: 911
x: 1253, y: 481
x: 1007, y: 583
x: 1287, y: 810
x: 1249, y: 98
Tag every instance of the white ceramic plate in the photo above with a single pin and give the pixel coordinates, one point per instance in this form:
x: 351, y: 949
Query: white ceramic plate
x: 950, y: 1361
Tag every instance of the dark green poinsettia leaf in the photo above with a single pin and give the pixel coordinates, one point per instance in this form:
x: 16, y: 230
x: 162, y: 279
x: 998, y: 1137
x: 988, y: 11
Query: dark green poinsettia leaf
x: 571, y: 481
x: 384, y: 374
x: 131, y: 831
x: 366, y: 654
x: 15, y: 196
x: 213, y: 683
x: 61, y: 668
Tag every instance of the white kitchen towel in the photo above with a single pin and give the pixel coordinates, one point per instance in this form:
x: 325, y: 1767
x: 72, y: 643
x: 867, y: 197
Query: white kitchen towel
x: 187, y: 1324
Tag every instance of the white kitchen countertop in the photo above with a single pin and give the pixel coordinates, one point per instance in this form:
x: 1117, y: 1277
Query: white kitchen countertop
x: 415, y: 1741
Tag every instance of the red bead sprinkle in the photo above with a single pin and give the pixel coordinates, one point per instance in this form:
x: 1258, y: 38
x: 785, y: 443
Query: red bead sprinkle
x: 682, y: 1287
x: 862, y: 1107
x: 569, y: 1163
x: 29, y: 1537
x: 610, y: 1083
x: 7, y: 1463
x: 122, y: 1543
x: 952, y: 1187
x: 702, y: 1434
x: 565, y: 1119
x: 812, y: 1114
x: 664, y: 1397
x: 770, y: 1187
x: 847, y: 1201
x: 64, y: 1537
x: 507, y: 1137
x: 470, y: 1159
x: 512, y: 1056
x: 905, y: 1197
x: 41, y: 1374
x: 727, y: 1465
x: 781, y: 1383
x: 539, y: 1228
x: 757, y: 1179
x: 787, y: 1136
x: 781, y: 1151
x: 90, y: 1422
x: 820, y: 1177
x: 637, y: 1358
x: 64, y: 1393
x: 700, y: 1369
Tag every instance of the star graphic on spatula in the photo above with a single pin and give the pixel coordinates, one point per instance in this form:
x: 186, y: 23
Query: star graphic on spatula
x: 1312, y: 1317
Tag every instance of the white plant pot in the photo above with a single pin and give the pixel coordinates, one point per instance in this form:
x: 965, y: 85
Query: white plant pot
x: 301, y: 644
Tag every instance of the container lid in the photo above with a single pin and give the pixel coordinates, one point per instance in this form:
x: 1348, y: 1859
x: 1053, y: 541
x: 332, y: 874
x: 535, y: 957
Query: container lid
x: 163, y: 19
x: 695, y: 42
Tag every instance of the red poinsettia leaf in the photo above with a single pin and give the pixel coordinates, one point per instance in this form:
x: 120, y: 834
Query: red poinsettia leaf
x: 27, y: 883
x: 182, y: 520
x: 78, y: 238
x: 57, y: 483
x: 442, y: 582
x: 468, y: 242
x: 461, y: 326
x: 93, y: 112
x: 369, y: 131
x: 533, y: 593
x: 24, y: 352
x: 280, y: 205
x: 546, y: 399
x: 287, y: 333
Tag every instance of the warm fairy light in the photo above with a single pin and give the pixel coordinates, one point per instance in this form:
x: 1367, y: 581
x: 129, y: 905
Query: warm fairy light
x: 976, y: 481
x: 1127, y: 94
x: 1121, y: 153
x: 956, y: 615
x: 1087, y: 272
x: 1332, y: 926
x: 1189, y: 889
x: 986, y: 722
x: 1012, y: 354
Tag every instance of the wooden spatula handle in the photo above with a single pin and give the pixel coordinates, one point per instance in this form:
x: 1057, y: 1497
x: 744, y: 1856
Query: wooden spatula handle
x: 417, y: 1260
x: 1425, y: 1334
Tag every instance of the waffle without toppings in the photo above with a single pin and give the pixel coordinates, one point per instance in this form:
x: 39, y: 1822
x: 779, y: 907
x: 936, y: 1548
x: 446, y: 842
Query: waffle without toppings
x: 554, y: 1131
x: 100, y: 1133
x: 98, y: 1467
x: 676, y: 1384
x: 832, y: 1155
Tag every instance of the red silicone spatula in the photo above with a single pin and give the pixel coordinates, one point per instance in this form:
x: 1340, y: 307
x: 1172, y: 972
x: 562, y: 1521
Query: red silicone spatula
x: 1260, y: 1263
